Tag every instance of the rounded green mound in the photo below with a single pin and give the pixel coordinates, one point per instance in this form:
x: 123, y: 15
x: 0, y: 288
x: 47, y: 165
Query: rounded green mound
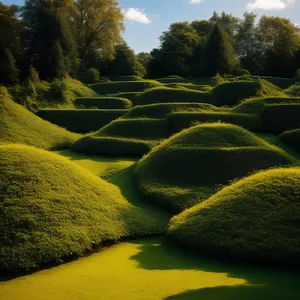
x: 103, y: 103
x: 256, y: 218
x: 130, y: 78
x: 18, y: 125
x: 112, y: 146
x: 161, y: 110
x: 292, y: 138
x: 192, y: 165
x: 51, y: 208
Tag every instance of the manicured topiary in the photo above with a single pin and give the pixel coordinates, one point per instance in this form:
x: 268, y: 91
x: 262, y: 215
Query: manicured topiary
x: 18, y: 125
x: 51, y: 209
x: 256, y: 218
x: 191, y: 166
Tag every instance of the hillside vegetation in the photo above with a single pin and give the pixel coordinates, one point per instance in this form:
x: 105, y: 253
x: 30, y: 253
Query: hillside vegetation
x: 18, y: 125
x: 51, y: 208
x: 256, y: 218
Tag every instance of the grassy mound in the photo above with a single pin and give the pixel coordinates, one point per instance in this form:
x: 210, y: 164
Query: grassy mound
x: 18, y: 125
x: 183, y: 120
x: 161, y: 110
x: 282, y: 83
x: 123, y: 86
x: 112, y: 146
x: 130, y: 78
x: 294, y: 90
x: 256, y: 218
x: 292, y: 138
x: 103, y: 103
x: 172, y: 95
x: 147, y: 129
x: 172, y: 79
x: 81, y: 120
x: 192, y: 165
x: 51, y: 208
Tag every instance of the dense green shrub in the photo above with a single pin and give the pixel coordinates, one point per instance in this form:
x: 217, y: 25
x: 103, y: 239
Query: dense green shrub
x: 183, y: 120
x: 256, y: 218
x: 292, y: 138
x: 191, y: 166
x: 111, y: 146
x: 144, y: 129
x: 123, y: 86
x: 91, y: 75
x: 53, y: 209
x: 103, y: 103
x: 81, y: 120
x: 18, y: 125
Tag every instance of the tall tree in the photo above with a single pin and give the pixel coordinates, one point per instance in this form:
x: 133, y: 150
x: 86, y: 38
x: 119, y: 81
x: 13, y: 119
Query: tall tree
x: 46, y: 22
x: 9, y: 73
x: 218, y: 54
x: 125, y: 63
x: 98, y: 25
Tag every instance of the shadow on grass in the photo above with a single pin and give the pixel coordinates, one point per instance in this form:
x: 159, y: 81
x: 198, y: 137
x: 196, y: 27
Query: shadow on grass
x: 264, y: 283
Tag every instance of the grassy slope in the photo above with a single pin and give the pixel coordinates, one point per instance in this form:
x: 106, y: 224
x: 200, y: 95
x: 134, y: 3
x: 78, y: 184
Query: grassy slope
x: 292, y: 138
x: 103, y: 103
x: 18, y: 125
x: 192, y: 165
x: 55, y: 209
x: 255, y: 218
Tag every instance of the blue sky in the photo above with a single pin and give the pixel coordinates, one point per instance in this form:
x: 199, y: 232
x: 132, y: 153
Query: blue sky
x: 145, y: 20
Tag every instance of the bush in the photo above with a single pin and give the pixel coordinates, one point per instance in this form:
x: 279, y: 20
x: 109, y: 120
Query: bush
x: 103, y: 103
x: 183, y: 120
x: 292, y: 138
x: 91, y: 75
x: 55, y: 209
x: 241, y: 72
x: 256, y: 219
x: 18, y: 125
x: 218, y: 79
x: 111, y: 146
x: 123, y: 86
x: 81, y: 120
x: 190, y: 166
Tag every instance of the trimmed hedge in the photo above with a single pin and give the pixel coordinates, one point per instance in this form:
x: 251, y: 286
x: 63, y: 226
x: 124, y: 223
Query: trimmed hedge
x: 111, y: 146
x: 255, y: 219
x: 130, y: 78
x: 292, y: 138
x: 168, y: 95
x: 123, y: 86
x: 281, y: 117
x: 161, y: 110
x: 183, y: 120
x: 172, y: 79
x: 103, y: 103
x: 81, y: 121
x: 145, y: 129
x: 191, y: 166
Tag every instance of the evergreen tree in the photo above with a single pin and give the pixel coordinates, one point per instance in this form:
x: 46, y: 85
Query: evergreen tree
x: 218, y: 54
x: 9, y: 73
x: 58, y: 60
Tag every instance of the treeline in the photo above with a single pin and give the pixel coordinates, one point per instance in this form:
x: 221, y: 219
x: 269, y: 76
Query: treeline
x: 57, y: 38
x: 48, y: 39
x: 227, y: 44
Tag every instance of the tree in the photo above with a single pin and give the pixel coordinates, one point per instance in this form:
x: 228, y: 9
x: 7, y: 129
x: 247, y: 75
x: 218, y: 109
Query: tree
x: 280, y: 42
x: 59, y: 66
x: 46, y: 22
x: 9, y: 73
x: 98, y: 25
x: 218, y: 54
x: 144, y: 59
x: 178, y: 46
x: 125, y: 63
x: 203, y: 27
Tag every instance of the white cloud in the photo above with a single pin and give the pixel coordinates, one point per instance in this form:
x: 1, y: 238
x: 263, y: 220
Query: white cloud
x: 195, y: 1
x: 270, y: 4
x: 137, y: 15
